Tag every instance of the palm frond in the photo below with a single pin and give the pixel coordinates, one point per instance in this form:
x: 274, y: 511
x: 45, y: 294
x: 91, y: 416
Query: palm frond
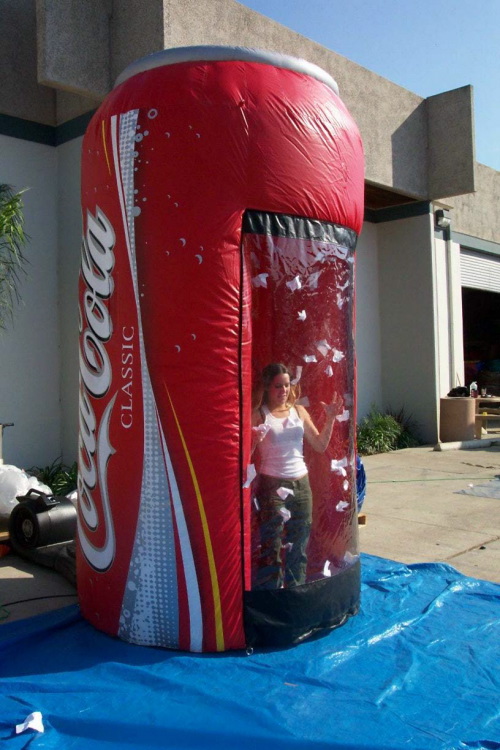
x: 12, y: 241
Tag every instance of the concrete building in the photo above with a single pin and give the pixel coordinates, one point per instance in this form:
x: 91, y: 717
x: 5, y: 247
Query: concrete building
x: 58, y: 60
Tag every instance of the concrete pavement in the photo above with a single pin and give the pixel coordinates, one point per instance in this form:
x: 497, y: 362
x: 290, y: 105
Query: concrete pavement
x: 413, y: 514
x: 27, y: 589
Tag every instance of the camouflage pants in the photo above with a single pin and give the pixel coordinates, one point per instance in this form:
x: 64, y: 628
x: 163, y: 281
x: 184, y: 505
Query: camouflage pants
x: 284, y: 526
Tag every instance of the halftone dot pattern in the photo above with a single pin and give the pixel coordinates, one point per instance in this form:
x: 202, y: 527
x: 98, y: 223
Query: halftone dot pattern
x: 149, y: 614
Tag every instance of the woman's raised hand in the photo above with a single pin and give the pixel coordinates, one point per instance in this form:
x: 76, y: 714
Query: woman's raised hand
x: 334, y: 408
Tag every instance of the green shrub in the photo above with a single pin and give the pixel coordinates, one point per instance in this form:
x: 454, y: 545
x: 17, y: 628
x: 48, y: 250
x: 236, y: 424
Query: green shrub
x: 60, y: 478
x: 381, y: 433
x: 407, y: 438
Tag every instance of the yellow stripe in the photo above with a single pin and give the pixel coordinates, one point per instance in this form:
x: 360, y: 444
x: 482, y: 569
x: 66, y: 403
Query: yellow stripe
x: 103, y: 128
x: 219, y: 632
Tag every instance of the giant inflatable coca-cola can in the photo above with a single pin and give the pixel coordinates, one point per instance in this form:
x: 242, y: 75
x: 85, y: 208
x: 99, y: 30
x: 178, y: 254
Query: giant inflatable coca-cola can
x: 222, y: 196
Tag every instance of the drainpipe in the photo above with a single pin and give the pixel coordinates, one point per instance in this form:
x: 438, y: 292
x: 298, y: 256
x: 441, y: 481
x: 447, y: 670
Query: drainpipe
x: 443, y: 221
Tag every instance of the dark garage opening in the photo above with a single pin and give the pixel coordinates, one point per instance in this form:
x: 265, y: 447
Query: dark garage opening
x: 481, y: 330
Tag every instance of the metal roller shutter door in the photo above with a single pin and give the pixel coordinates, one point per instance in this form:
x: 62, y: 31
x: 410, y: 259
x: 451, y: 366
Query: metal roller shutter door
x: 480, y: 271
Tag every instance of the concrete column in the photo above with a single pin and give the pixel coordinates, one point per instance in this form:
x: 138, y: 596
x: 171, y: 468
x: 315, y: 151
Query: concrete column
x: 449, y: 329
x: 407, y: 315
x: 367, y: 321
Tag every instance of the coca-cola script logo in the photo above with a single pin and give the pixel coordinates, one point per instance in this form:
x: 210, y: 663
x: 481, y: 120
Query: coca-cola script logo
x: 96, y: 374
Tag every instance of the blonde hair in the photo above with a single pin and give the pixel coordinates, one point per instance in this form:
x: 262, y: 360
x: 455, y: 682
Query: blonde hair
x: 267, y: 376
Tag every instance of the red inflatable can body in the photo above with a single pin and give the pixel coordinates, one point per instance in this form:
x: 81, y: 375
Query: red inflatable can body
x: 222, y: 195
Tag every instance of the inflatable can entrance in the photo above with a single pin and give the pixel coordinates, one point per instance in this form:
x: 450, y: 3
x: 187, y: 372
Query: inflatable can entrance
x: 222, y: 196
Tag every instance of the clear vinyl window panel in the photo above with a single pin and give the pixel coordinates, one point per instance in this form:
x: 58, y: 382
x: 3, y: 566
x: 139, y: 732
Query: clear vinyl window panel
x: 298, y: 310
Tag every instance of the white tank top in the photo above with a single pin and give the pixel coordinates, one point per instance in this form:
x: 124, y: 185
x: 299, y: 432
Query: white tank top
x: 282, y: 449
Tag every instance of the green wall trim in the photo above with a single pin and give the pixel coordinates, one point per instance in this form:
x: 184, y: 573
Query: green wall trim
x: 405, y: 211
x: 50, y: 135
x: 475, y: 243
x: 27, y: 130
x: 73, y: 128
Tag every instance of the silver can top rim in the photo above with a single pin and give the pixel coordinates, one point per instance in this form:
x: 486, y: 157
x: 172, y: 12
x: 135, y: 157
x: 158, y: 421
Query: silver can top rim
x: 215, y: 53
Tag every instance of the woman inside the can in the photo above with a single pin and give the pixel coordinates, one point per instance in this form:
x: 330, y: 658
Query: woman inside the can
x: 282, y: 492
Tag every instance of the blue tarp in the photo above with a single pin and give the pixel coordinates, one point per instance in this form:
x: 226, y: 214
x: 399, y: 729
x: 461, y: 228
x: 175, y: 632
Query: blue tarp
x: 418, y: 667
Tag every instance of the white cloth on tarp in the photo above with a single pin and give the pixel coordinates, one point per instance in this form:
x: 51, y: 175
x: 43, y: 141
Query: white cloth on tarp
x: 14, y: 482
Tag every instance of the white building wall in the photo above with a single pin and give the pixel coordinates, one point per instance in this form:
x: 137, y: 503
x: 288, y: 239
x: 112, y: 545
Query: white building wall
x: 29, y: 349
x: 402, y: 312
x: 369, y: 385
x: 54, y: 175
x: 69, y: 240
x: 402, y: 331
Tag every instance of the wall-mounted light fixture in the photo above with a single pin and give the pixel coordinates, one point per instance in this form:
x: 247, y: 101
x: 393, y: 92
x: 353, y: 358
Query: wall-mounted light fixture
x: 442, y: 218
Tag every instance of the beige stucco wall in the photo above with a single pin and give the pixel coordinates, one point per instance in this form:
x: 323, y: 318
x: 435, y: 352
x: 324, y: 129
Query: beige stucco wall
x: 138, y: 29
x: 451, y: 157
x: 82, y: 50
x: 388, y: 116
x: 73, y: 45
x: 477, y: 214
x: 20, y: 93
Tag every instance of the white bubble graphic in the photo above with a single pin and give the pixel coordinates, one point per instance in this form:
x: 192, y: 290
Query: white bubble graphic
x: 138, y: 137
x: 152, y: 114
x: 136, y: 211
